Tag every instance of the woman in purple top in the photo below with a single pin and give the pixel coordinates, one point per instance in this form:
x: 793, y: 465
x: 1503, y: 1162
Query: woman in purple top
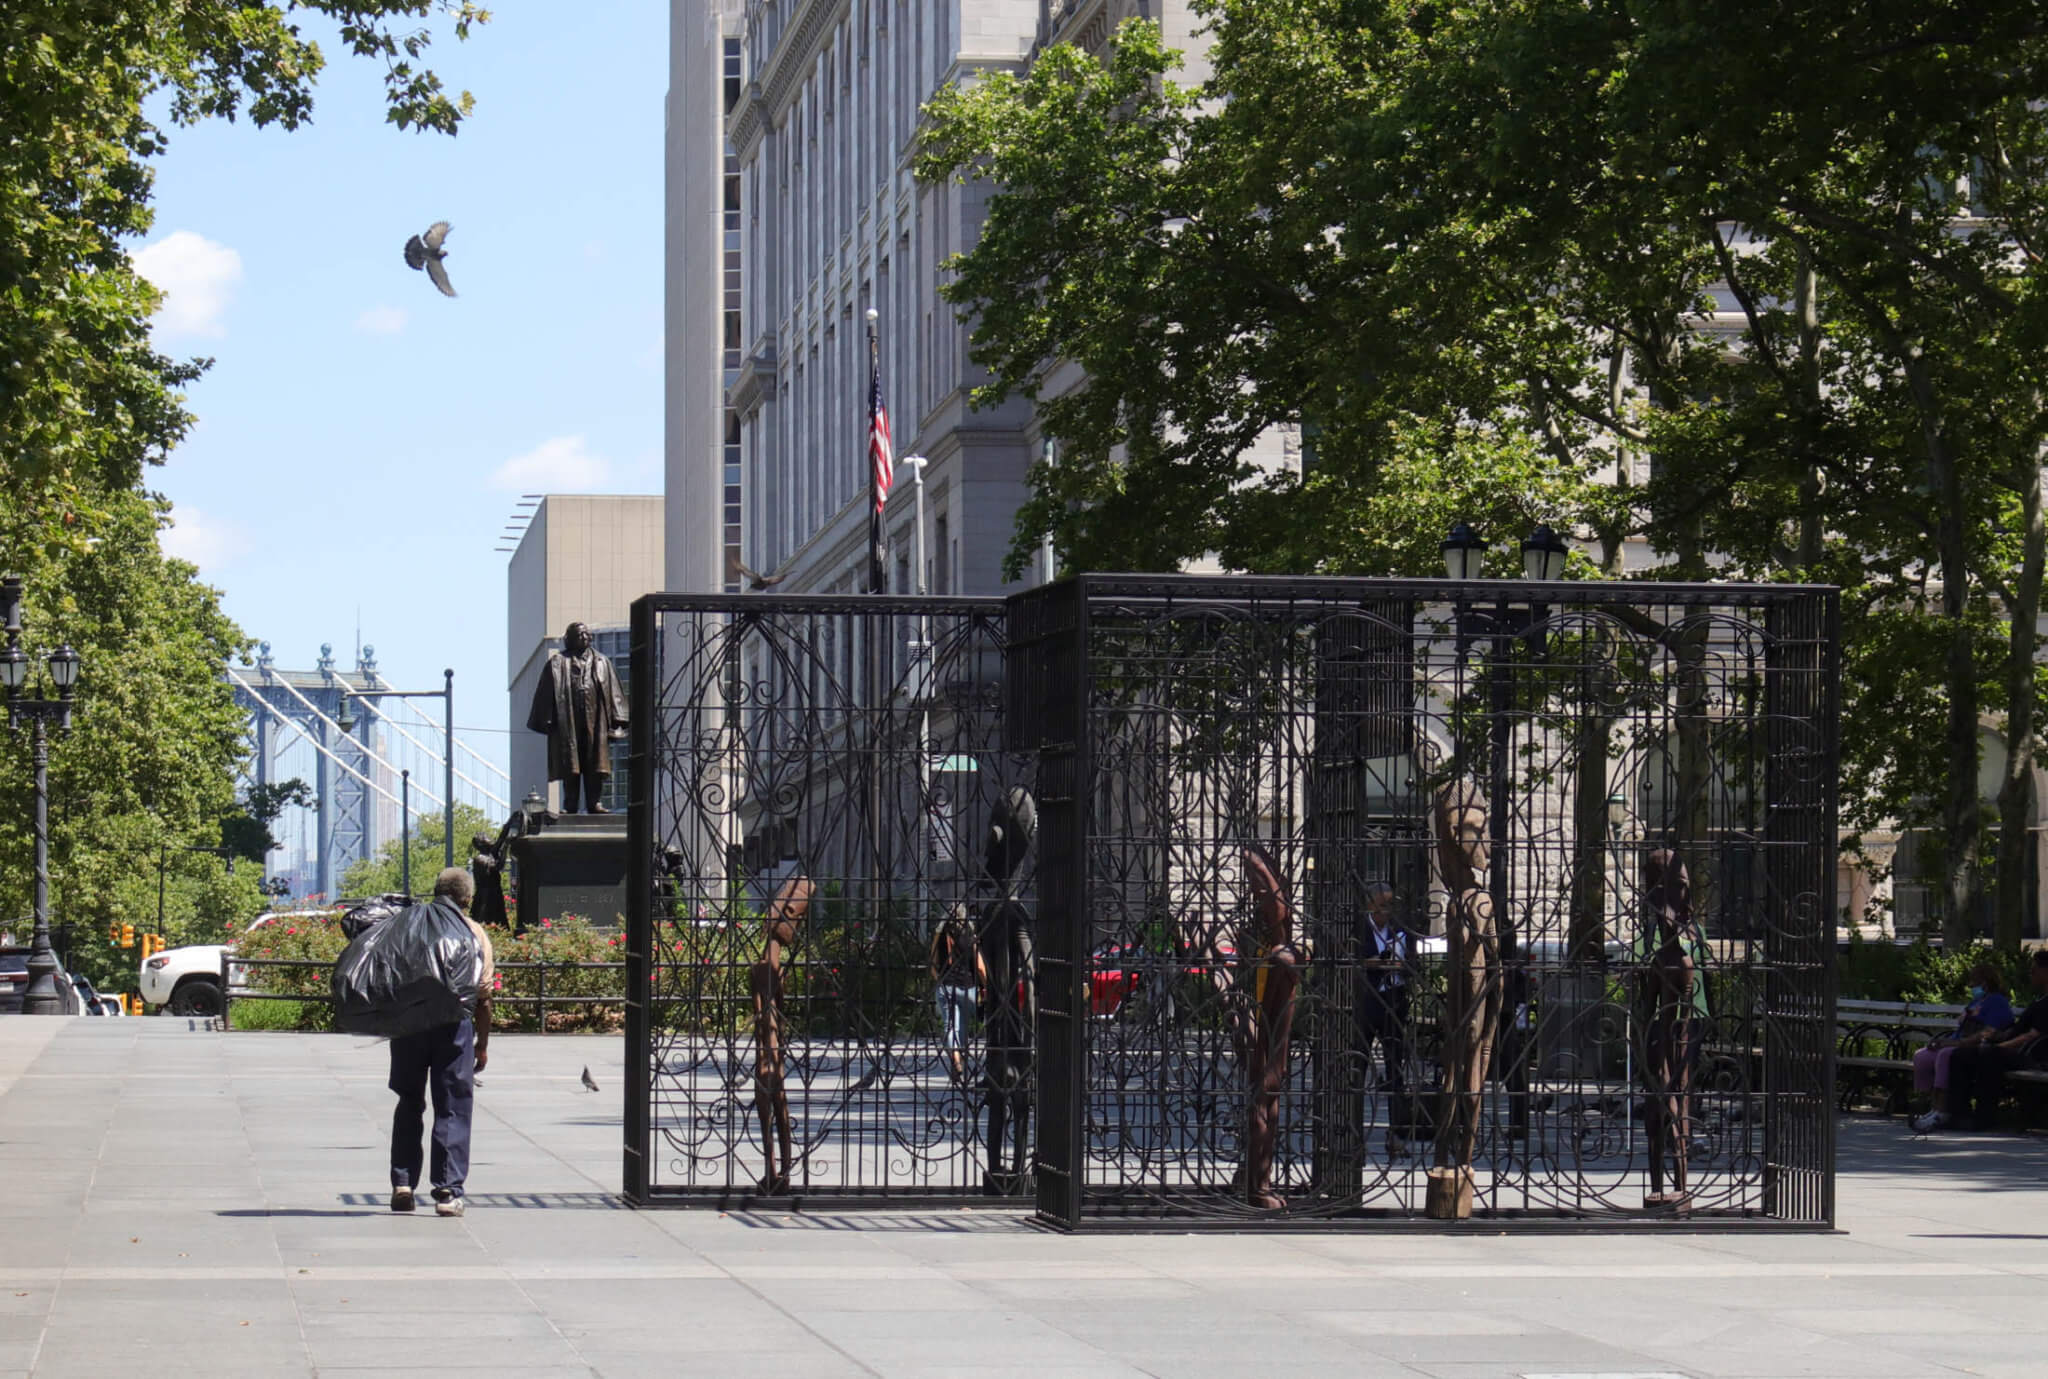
x: 1988, y: 1014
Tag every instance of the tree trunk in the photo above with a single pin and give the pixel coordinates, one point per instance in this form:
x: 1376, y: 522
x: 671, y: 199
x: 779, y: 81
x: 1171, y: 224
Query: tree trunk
x: 1962, y: 820
x: 2015, y: 840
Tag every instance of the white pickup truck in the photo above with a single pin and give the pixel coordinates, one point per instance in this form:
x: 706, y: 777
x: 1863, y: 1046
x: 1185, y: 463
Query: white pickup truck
x: 188, y: 979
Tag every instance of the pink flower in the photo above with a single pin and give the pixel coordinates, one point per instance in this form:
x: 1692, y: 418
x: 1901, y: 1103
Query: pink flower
x: 547, y: 924
x: 291, y: 931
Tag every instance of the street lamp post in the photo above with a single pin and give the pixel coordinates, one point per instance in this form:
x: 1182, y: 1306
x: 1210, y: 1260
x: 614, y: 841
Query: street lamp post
x: 44, y: 996
x: 923, y: 655
x: 446, y: 694
x: 1543, y: 560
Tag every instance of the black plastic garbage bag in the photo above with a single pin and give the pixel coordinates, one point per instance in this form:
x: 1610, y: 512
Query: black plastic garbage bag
x: 375, y: 910
x: 413, y: 971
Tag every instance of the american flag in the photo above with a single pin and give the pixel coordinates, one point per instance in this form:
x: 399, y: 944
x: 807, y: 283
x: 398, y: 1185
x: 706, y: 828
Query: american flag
x: 882, y: 471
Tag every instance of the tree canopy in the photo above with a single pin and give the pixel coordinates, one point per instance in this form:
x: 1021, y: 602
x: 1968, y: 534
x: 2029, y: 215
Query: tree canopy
x: 88, y: 405
x: 1758, y: 287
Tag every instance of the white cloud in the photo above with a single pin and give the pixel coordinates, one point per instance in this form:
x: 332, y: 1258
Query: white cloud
x: 196, y: 276
x: 208, y: 542
x: 562, y: 464
x: 381, y: 320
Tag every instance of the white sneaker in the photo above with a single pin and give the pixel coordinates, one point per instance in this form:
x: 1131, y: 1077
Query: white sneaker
x: 451, y: 1207
x: 1933, y: 1120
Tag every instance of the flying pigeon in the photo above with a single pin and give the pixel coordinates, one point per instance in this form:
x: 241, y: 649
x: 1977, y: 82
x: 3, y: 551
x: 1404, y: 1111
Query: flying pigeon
x: 757, y: 581
x: 424, y: 251
x: 589, y: 1081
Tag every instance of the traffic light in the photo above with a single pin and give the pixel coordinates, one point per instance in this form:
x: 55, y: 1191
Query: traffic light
x: 127, y: 935
x: 114, y: 932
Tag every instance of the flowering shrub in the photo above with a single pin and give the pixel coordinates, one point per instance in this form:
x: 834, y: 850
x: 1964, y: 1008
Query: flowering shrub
x: 302, y: 938
x: 554, y: 948
x: 554, y: 951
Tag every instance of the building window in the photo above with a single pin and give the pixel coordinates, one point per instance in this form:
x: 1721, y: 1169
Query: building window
x: 943, y: 584
x: 732, y: 74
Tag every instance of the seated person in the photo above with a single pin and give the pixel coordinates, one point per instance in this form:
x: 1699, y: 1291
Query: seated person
x: 1988, y: 1015
x: 1977, y: 1073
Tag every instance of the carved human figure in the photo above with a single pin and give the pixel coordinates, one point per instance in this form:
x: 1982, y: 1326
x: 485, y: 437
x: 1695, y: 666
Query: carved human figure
x: 1472, y: 997
x: 771, y: 1098
x: 1269, y: 973
x: 1671, y: 979
x: 579, y: 705
x: 1005, y: 943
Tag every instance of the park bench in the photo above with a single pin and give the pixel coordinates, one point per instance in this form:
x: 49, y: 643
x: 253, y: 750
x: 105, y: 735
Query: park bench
x: 1877, y: 1043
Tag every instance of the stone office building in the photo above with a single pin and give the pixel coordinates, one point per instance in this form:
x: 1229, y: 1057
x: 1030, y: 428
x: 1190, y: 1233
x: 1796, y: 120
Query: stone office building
x: 792, y: 212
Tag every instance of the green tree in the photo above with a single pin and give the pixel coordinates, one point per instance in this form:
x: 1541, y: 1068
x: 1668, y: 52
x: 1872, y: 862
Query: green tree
x: 245, y: 832
x: 87, y: 405
x: 1482, y: 240
x: 384, y: 873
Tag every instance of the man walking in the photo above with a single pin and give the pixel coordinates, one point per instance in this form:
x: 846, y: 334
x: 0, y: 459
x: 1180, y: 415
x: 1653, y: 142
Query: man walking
x: 444, y: 1060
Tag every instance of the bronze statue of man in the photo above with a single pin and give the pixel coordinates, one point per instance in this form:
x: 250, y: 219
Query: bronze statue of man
x: 579, y: 705
x: 1472, y: 996
x: 771, y: 1046
x: 1269, y: 974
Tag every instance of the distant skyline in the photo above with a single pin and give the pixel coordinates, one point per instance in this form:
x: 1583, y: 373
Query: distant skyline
x: 363, y: 440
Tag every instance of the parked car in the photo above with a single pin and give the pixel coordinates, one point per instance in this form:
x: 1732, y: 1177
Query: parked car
x: 188, y: 979
x: 14, y: 986
x: 90, y: 1002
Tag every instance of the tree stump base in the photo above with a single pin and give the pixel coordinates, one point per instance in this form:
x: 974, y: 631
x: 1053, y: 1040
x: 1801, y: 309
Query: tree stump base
x: 1450, y: 1194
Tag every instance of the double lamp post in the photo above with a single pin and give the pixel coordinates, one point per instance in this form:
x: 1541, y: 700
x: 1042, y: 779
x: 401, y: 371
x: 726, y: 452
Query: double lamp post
x: 44, y: 995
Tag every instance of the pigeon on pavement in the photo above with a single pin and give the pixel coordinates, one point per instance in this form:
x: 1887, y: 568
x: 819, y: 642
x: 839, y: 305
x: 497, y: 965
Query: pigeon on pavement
x: 589, y: 1081
x: 424, y: 251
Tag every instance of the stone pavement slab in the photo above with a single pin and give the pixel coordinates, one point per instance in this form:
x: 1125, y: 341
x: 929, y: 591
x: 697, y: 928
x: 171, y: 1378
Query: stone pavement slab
x: 182, y: 1201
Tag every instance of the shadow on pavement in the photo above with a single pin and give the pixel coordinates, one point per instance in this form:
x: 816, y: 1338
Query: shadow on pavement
x: 515, y: 1201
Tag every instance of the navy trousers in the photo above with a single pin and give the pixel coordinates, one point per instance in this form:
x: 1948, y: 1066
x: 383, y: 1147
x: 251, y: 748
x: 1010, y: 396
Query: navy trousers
x: 442, y: 1061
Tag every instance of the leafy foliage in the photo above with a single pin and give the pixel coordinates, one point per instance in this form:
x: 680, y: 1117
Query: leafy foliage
x: 1760, y: 288
x: 87, y: 405
x: 384, y: 873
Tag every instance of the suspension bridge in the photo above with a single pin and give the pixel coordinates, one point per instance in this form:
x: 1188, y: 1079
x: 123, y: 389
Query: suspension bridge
x: 369, y: 753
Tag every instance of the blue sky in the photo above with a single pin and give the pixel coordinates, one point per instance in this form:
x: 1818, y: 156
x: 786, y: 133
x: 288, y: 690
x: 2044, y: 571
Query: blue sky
x: 362, y: 440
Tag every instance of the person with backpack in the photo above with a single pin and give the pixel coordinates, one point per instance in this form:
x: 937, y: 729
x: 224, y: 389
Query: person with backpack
x: 442, y: 1061
x: 958, y: 977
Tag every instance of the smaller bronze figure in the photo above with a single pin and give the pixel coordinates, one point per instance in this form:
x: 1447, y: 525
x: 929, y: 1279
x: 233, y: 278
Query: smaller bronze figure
x: 1471, y: 1000
x: 579, y: 705
x: 771, y: 1098
x: 1266, y: 987
x: 1005, y: 947
x: 1671, y: 981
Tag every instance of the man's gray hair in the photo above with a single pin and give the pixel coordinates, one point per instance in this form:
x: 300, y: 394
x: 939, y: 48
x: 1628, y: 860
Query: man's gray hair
x: 456, y: 884
x: 1378, y: 890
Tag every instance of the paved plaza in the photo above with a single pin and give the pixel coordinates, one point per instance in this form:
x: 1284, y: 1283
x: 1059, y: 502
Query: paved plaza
x: 179, y: 1201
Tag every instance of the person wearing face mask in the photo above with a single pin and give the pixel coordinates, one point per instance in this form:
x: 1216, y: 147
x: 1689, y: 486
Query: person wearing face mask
x: 1988, y: 1014
x: 1977, y: 1076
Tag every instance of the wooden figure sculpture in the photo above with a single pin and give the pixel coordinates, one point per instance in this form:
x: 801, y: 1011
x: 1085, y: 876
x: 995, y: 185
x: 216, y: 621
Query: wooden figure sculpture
x: 1269, y: 980
x: 1005, y: 941
x: 1671, y: 978
x: 1472, y: 996
x: 771, y: 1099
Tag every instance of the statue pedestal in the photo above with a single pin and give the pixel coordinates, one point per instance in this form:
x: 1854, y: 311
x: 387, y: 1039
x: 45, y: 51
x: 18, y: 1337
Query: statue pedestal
x: 574, y: 864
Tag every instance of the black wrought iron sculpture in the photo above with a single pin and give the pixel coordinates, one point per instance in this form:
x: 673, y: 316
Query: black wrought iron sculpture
x: 1006, y: 945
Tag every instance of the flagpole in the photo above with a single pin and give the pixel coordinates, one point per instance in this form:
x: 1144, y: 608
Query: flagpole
x: 877, y: 630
